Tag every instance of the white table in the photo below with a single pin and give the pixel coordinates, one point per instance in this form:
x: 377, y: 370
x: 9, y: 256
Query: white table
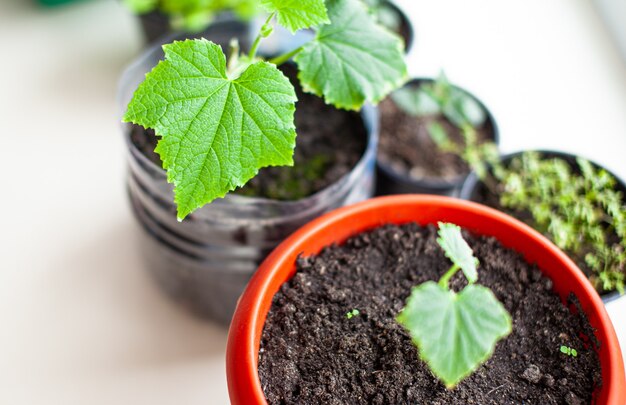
x: 81, y: 322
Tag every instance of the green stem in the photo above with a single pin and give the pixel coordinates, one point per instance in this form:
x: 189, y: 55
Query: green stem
x: 445, y: 279
x: 233, y: 59
x: 279, y: 60
x: 257, y: 41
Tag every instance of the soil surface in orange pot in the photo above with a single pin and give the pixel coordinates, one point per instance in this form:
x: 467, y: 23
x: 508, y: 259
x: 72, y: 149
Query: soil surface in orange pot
x: 312, y: 353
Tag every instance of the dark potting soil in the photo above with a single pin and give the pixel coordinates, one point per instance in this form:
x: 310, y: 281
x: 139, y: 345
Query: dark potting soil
x: 311, y: 353
x: 407, y: 148
x: 329, y: 144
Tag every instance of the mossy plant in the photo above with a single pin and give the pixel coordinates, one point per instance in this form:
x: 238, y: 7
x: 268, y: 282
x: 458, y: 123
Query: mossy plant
x: 579, y: 208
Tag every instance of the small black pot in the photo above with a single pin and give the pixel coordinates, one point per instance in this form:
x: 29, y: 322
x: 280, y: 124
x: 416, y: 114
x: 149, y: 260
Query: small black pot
x: 473, y: 189
x: 390, y: 181
x: 206, y: 261
x: 407, y: 33
x: 154, y: 25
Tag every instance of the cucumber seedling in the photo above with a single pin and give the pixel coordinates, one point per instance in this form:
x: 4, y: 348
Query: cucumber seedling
x: 454, y: 332
x: 221, y: 121
x: 461, y: 110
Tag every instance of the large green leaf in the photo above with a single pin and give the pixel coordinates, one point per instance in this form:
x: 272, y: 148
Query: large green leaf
x: 456, y: 249
x: 455, y: 333
x: 352, y: 60
x: 217, y: 132
x: 298, y: 14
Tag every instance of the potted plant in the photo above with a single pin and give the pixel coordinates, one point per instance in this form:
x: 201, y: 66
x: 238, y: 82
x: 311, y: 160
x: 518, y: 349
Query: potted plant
x: 353, y: 276
x: 432, y: 134
x: 219, y: 122
x: 159, y: 17
x: 576, y: 203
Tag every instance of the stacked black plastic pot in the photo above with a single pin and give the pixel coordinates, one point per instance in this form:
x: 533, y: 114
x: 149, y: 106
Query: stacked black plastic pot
x: 206, y: 260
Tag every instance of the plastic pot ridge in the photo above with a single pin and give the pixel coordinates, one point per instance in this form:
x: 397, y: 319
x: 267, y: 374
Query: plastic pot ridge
x: 247, y: 325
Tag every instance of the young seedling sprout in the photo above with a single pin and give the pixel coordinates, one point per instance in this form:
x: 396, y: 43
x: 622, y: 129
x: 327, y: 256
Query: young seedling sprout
x: 220, y: 122
x: 569, y: 351
x: 454, y: 332
x: 352, y: 314
x: 460, y: 109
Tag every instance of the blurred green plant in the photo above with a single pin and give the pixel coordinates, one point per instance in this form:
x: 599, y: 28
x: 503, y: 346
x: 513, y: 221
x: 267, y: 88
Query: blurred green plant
x: 195, y: 15
x: 461, y: 109
x: 569, y: 351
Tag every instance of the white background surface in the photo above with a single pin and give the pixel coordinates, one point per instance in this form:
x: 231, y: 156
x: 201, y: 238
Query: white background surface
x: 80, y: 321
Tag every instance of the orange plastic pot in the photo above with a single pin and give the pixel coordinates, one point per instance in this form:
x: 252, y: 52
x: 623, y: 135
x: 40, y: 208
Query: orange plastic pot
x: 247, y: 325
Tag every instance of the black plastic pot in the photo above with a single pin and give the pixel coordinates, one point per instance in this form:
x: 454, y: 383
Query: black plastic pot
x: 154, y: 25
x: 473, y: 189
x: 390, y: 181
x: 157, y: 29
x: 206, y: 260
x: 407, y: 33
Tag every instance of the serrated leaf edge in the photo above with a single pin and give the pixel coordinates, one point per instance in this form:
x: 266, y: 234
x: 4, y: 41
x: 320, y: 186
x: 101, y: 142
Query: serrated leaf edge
x: 291, y: 127
x: 134, y: 119
x: 389, y: 86
x: 324, y: 21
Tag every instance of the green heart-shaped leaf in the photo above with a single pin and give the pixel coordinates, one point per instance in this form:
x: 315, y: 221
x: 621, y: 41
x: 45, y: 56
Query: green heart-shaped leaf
x: 455, y: 333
